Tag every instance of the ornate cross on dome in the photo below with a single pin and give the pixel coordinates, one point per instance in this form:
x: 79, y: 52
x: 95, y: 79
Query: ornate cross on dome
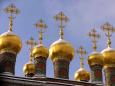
x: 94, y: 36
x: 62, y: 18
x: 82, y: 52
x: 31, y: 43
x: 12, y: 11
x: 108, y: 29
x: 42, y: 26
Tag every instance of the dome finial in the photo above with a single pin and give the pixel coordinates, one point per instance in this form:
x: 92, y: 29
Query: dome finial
x: 29, y: 67
x: 63, y: 19
x: 11, y: 10
x: 41, y: 25
x: 108, y: 29
x: 81, y: 74
x: 82, y: 52
x: 31, y: 43
x: 94, y: 36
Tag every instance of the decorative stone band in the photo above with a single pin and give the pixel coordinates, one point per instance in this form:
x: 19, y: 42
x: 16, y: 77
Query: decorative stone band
x: 109, y: 75
x: 61, y: 68
x: 7, y: 62
x: 40, y: 65
x: 96, y: 74
x: 8, y: 51
x: 60, y: 58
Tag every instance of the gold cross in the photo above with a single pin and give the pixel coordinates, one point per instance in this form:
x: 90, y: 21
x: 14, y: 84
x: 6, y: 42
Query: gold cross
x: 12, y: 10
x: 108, y: 29
x: 63, y: 19
x: 31, y: 43
x: 82, y: 52
x: 41, y: 25
x: 94, y: 36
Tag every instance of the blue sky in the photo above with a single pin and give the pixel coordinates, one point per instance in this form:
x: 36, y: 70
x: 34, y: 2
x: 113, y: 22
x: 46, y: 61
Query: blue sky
x: 83, y: 15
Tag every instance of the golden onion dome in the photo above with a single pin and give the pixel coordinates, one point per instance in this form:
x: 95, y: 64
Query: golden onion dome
x: 29, y: 68
x: 95, y: 58
x: 40, y: 51
x: 109, y: 56
x: 82, y: 75
x: 62, y: 49
x: 9, y: 42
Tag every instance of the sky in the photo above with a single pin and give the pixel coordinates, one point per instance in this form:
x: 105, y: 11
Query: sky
x: 83, y: 16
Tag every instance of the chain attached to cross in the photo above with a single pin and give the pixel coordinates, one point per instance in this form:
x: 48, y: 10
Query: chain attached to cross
x: 94, y: 36
x: 108, y: 29
x: 31, y: 43
x: 42, y: 26
x: 82, y: 52
x: 63, y: 19
x: 11, y: 10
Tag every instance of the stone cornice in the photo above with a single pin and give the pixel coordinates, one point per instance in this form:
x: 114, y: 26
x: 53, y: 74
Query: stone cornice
x: 41, y: 81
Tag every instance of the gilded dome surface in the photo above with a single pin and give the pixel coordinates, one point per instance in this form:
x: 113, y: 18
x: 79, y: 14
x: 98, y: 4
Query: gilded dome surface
x: 29, y: 68
x: 82, y: 75
x: 10, y: 42
x: 109, y: 56
x: 40, y: 50
x: 95, y: 58
x: 62, y: 49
